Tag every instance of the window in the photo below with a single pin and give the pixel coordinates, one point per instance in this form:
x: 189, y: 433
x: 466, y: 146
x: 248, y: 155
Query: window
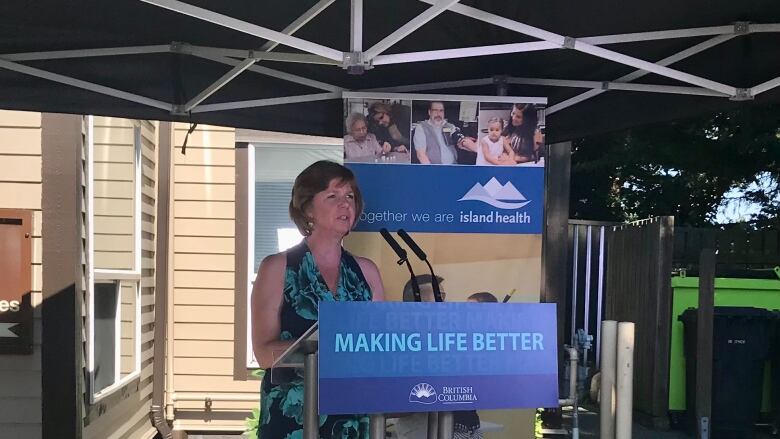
x: 273, y: 168
x: 113, y: 212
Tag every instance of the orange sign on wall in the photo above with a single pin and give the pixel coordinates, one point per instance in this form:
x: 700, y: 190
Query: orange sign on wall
x: 16, y: 316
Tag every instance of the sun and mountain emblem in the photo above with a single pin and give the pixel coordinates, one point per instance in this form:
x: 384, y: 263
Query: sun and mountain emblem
x: 504, y: 196
x: 423, y: 393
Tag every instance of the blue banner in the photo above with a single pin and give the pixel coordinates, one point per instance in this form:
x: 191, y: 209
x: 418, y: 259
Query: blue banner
x: 423, y: 357
x: 451, y: 199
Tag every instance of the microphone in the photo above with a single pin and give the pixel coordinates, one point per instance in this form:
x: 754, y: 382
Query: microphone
x: 509, y: 296
x: 423, y: 257
x: 412, y: 245
x: 401, y: 253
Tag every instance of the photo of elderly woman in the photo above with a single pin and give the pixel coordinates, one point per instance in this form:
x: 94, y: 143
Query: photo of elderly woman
x: 359, y: 143
x: 377, y: 131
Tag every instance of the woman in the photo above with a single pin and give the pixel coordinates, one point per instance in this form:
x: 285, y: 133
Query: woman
x: 359, y: 142
x: 522, y: 135
x: 383, y: 125
x: 290, y: 285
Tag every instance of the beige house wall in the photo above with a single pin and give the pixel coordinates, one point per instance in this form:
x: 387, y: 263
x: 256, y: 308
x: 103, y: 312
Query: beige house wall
x: 202, y: 332
x: 125, y: 413
x: 20, y: 188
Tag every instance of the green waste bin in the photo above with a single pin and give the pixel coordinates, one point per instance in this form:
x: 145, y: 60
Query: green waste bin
x: 757, y: 293
x: 741, y: 344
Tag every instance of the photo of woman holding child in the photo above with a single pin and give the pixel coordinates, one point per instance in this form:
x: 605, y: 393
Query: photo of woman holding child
x: 523, y: 135
x: 509, y: 135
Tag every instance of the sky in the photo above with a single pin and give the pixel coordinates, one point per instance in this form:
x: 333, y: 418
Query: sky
x: 734, y: 209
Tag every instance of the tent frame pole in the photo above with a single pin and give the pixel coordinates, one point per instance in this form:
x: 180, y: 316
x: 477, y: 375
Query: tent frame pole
x: 246, y: 60
x: 247, y: 28
x: 581, y: 46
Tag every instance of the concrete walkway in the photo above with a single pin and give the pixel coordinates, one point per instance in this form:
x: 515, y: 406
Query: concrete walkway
x: 589, y: 429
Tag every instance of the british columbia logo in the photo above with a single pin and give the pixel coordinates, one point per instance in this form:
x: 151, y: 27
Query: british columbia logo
x: 423, y: 393
x: 504, y: 196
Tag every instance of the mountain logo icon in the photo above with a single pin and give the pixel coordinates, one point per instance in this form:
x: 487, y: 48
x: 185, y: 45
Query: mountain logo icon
x: 497, y: 195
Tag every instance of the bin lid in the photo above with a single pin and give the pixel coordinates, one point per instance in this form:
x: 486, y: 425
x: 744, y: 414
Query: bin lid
x: 737, y: 312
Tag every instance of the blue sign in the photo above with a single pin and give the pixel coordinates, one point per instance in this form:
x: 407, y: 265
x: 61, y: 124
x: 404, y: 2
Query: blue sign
x: 424, y: 357
x: 451, y: 199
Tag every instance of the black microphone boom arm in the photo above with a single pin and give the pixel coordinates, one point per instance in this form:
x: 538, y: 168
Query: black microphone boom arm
x: 423, y: 257
x: 401, y: 253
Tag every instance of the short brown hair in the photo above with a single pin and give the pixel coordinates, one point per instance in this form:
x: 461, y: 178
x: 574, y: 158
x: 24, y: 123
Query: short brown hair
x: 315, y: 179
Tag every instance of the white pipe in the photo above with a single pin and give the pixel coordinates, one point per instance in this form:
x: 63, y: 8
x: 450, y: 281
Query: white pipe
x: 608, y: 358
x: 588, y: 248
x: 600, y: 296
x: 574, y: 272
x: 573, y: 368
x: 239, y: 397
x: 573, y: 360
x: 625, y: 378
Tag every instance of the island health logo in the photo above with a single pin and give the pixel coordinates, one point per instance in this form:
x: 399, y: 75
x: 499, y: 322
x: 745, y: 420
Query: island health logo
x: 504, y: 196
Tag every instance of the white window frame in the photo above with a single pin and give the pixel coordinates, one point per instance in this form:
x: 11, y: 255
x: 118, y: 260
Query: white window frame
x: 120, y: 277
x: 251, y: 361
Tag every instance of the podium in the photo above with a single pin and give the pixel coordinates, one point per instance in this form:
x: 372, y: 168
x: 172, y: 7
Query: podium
x: 303, y: 354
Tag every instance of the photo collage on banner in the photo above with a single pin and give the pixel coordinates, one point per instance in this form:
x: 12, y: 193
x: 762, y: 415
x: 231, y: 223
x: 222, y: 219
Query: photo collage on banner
x: 443, y: 132
x: 464, y: 176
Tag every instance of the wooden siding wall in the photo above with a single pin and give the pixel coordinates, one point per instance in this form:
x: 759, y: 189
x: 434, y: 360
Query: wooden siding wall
x: 114, y: 193
x: 125, y: 414
x: 127, y: 328
x: 203, y: 281
x: 20, y: 188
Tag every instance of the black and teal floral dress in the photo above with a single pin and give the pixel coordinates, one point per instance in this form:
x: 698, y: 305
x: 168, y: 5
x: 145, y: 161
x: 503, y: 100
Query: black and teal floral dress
x: 281, y: 402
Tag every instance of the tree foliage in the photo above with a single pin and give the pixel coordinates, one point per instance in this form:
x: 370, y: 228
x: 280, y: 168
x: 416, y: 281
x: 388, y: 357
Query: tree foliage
x: 683, y: 168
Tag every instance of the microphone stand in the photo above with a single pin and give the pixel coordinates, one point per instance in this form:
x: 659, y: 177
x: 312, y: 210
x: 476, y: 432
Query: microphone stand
x: 401, y: 253
x: 415, y: 285
x: 434, y: 283
x: 423, y: 257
